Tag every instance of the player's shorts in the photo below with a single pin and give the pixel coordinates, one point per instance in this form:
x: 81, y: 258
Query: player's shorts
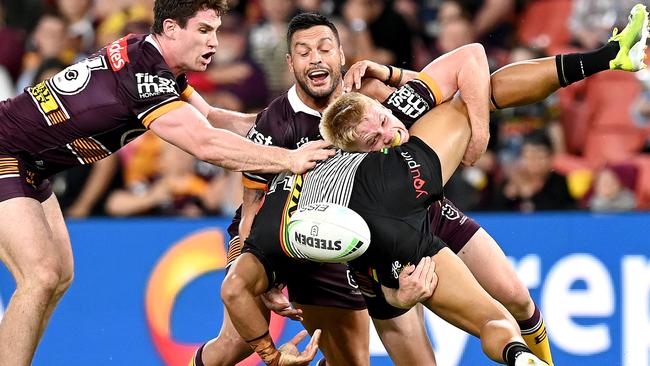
x: 324, y: 284
x: 311, y: 283
x: 378, y: 307
x: 451, y: 225
x: 18, y: 178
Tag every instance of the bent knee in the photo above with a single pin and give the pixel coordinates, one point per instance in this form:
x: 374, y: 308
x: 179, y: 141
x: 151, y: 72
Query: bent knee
x: 231, y: 289
x: 50, y: 276
x: 518, y: 302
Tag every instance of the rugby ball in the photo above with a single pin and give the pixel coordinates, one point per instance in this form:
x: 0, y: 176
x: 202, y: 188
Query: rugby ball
x: 327, y: 232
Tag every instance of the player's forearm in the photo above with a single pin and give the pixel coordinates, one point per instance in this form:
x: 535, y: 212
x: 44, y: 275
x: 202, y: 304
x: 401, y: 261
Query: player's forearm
x: 233, y: 152
x: 250, y: 204
x: 239, y: 123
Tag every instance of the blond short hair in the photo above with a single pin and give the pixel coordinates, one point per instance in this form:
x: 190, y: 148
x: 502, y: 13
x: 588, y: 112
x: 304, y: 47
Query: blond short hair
x: 340, y: 119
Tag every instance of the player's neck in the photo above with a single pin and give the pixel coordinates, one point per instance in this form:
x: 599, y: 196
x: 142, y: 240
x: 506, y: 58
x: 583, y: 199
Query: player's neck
x: 319, y: 104
x: 167, y: 54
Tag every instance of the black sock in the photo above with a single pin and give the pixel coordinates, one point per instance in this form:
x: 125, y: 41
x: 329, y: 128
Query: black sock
x: 197, y: 356
x: 574, y: 67
x: 512, y: 350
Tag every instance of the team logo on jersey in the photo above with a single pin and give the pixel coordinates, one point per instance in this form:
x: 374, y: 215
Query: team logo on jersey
x: 153, y: 85
x: 408, y: 101
x: 117, y: 54
x: 416, y: 175
x: 258, y: 137
x: 450, y: 212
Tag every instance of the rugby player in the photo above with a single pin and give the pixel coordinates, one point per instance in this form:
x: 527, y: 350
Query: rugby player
x: 87, y: 112
x: 477, y: 249
x: 394, y: 200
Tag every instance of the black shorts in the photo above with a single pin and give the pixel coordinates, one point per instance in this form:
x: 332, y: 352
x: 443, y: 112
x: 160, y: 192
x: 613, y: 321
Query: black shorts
x: 18, y: 178
x: 451, y: 225
x: 378, y: 307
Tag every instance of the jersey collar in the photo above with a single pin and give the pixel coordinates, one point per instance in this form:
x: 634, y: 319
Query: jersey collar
x: 298, y: 105
x: 150, y: 39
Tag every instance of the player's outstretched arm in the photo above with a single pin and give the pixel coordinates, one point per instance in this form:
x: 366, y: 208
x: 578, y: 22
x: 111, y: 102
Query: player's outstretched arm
x: 464, y: 69
x: 239, y: 123
x: 446, y: 130
x: 188, y: 129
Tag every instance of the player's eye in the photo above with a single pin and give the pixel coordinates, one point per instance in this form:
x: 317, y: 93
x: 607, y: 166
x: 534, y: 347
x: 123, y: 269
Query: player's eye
x: 203, y: 30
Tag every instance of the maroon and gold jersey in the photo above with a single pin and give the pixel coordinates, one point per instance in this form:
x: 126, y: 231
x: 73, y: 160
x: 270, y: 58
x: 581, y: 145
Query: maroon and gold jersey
x: 92, y: 108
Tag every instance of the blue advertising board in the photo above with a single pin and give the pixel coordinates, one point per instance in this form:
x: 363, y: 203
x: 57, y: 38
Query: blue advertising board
x: 146, y: 291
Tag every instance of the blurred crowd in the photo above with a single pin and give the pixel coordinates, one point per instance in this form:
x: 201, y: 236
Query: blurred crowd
x: 585, y: 148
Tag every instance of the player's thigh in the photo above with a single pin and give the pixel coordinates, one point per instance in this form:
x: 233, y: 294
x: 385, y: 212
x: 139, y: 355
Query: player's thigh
x: 458, y: 297
x: 492, y: 269
x: 345, y: 338
x: 405, y: 338
x: 26, y: 240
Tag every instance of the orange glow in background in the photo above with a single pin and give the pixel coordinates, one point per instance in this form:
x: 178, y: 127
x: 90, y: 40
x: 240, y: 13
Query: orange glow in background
x: 193, y: 256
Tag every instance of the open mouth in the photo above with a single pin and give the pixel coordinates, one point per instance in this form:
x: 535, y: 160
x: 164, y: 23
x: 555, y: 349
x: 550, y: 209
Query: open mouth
x: 397, y: 139
x: 318, y: 76
x: 207, y: 56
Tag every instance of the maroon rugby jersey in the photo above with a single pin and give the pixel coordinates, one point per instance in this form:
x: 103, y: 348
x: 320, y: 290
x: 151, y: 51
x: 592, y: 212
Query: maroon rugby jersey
x: 92, y: 108
x: 288, y: 122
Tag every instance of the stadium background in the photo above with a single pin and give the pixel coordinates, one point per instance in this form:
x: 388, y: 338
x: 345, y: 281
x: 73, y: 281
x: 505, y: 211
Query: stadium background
x: 147, y: 291
x: 147, y: 280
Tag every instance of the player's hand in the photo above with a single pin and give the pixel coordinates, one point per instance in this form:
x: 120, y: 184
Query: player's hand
x: 306, y: 156
x: 289, y: 354
x: 360, y: 69
x: 276, y: 301
x: 417, y: 283
x: 476, y: 147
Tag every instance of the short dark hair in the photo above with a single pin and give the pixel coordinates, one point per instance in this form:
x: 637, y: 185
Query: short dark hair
x: 304, y: 21
x: 182, y: 10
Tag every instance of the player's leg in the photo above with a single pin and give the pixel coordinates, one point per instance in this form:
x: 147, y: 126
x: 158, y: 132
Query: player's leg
x: 531, y: 81
x: 330, y: 300
x: 405, y: 338
x: 489, y: 265
x: 228, y: 348
x: 344, y: 339
x: 40, y: 269
x: 61, y: 248
x: 460, y: 300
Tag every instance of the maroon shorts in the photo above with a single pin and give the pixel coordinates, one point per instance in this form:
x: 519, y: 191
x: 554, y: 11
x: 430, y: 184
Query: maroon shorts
x: 451, y: 225
x: 324, y: 284
x: 18, y: 178
x: 311, y: 283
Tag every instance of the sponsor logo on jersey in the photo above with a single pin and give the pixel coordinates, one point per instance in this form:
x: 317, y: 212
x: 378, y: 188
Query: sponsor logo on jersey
x: 409, y: 102
x: 414, y: 169
x: 48, y: 104
x: 258, y: 137
x: 317, y: 243
x: 117, y: 55
x: 154, y: 85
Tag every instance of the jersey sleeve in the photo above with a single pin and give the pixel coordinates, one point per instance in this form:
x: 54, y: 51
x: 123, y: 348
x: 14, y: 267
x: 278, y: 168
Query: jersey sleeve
x: 413, y: 99
x: 151, y: 90
x: 270, y: 131
x: 184, y: 87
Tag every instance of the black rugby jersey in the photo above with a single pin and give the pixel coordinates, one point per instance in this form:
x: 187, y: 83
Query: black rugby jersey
x: 92, y: 108
x: 391, y: 190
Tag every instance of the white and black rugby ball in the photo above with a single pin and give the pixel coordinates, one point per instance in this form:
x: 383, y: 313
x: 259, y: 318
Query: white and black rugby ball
x: 328, y: 232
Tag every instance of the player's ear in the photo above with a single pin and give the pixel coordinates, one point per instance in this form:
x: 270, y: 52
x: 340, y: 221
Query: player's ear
x: 169, y: 28
x: 289, y: 61
x: 342, y: 55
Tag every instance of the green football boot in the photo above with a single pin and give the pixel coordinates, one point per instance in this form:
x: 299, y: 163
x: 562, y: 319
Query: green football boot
x: 632, y: 41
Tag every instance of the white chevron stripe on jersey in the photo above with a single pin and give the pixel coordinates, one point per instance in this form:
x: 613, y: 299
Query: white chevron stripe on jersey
x: 331, y: 180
